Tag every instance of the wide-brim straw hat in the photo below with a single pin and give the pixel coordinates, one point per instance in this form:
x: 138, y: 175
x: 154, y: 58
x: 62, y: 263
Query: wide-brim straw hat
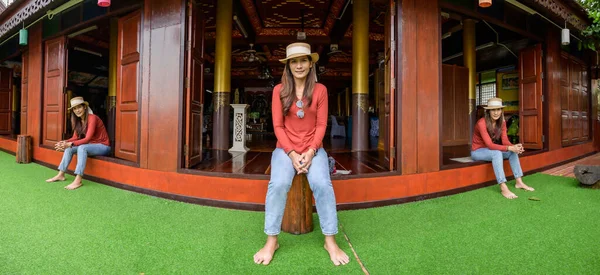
x: 76, y: 101
x: 494, y: 103
x: 299, y: 49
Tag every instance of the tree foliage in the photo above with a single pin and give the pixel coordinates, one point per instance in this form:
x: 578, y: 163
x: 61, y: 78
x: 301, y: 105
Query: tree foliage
x: 591, y: 34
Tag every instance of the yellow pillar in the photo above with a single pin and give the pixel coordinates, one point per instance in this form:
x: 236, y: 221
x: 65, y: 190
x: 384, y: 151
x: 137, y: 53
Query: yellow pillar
x: 360, y: 75
x: 222, y: 86
x: 112, y: 59
x: 469, y: 60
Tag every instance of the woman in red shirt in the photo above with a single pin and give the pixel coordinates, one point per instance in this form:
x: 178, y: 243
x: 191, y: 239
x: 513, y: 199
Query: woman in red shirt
x: 89, y: 139
x: 490, y: 143
x: 299, y: 108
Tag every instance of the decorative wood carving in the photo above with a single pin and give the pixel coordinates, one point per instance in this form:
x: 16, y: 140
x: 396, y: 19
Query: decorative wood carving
x: 27, y: 11
x: 563, y: 12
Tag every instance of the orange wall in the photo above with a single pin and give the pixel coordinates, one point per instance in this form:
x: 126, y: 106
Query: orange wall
x: 346, y: 191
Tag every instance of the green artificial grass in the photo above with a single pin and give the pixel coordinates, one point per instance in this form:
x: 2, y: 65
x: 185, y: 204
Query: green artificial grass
x: 97, y: 229
x: 482, y: 232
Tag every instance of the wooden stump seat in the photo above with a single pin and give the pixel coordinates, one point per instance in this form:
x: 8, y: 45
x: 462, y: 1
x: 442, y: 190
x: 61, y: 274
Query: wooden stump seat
x: 24, y: 149
x: 297, y: 218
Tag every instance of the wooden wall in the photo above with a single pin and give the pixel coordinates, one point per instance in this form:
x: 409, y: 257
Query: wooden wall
x: 552, y: 91
x: 455, y: 105
x: 162, y: 85
x: 420, y: 90
x: 34, y: 87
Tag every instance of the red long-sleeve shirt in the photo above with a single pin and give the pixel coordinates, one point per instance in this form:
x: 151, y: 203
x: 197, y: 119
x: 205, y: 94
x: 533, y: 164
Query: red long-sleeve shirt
x: 301, y: 134
x: 481, y: 138
x: 95, y: 133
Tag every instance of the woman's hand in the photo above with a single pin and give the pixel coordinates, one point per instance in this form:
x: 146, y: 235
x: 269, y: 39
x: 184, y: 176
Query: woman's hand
x: 306, y: 159
x: 517, y: 148
x: 60, y: 146
x: 296, y: 161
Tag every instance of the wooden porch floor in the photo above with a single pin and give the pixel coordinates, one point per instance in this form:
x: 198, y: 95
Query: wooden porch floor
x: 566, y: 170
x: 258, y: 159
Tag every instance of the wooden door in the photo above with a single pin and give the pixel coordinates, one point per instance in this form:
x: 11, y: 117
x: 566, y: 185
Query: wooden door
x: 194, y: 83
x: 455, y: 105
x: 6, y: 84
x: 530, y: 97
x: 24, y: 83
x: 54, y: 84
x: 128, y: 71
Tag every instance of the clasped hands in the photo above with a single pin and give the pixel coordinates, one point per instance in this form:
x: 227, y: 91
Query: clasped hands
x: 302, y: 161
x: 62, y: 145
x: 517, y: 148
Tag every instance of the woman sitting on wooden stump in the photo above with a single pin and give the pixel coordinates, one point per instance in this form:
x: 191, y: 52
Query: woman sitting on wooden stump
x: 89, y: 139
x: 299, y: 108
x: 490, y: 143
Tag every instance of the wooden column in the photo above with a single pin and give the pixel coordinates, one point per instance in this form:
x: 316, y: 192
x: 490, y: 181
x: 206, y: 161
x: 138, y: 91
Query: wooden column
x: 470, y: 61
x: 419, y: 118
x: 222, y: 86
x: 360, y: 75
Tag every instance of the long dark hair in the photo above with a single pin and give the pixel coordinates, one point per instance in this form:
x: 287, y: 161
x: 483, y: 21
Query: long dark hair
x: 77, y: 123
x: 494, y: 129
x: 288, y: 89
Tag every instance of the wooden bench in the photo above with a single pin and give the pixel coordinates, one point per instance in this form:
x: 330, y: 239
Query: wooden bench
x: 24, y: 149
x: 298, y: 218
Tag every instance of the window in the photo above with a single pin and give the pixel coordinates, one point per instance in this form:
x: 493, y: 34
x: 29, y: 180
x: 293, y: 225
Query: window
x: 485, y: 92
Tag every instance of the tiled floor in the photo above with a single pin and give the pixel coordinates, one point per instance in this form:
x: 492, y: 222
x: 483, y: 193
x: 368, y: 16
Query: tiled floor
x: 566, y: 170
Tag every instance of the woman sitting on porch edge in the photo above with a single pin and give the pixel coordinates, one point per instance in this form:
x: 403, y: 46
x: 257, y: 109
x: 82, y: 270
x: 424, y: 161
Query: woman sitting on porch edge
x: 490, y: 143
x: 89, y: 138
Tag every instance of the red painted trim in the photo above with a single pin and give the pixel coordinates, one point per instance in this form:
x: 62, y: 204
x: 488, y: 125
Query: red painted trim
x: 253, y: 191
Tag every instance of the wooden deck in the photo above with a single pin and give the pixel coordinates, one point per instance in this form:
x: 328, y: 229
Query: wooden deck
x: 258, y: 159
x: 566, y: 170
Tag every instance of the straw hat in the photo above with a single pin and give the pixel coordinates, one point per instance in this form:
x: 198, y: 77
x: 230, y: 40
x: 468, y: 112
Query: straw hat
x: 78, y: 101
x: 494, y: 103
x: 299, y: 49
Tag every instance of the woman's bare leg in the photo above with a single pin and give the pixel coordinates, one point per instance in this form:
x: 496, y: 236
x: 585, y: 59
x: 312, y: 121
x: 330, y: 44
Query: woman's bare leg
x: 75, y: 184
x: 337, y: 256
x: 265, y: 254
x: 59, y: 177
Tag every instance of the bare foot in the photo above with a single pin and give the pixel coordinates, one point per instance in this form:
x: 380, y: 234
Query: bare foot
x: 506, y: 192
x: 523, y: 186
x: 509, y: 195
x: 265, y: 254
x: 74, y: 185
x: 337, y: 256
x: 56, y: 178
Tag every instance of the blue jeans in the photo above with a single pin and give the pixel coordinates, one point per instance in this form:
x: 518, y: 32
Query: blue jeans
x: 82, y: 151
x: 282, y: 174
x: 496, y: 157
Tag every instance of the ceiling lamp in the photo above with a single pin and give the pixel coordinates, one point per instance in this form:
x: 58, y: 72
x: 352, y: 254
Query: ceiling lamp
x: 485, y: 3
x: 104, y: 3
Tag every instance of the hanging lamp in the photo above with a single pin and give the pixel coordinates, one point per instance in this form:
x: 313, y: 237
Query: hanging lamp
x: 23, y: 36
x: 485, y: 3
x: 565, y: 39
x: 104, y: 3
